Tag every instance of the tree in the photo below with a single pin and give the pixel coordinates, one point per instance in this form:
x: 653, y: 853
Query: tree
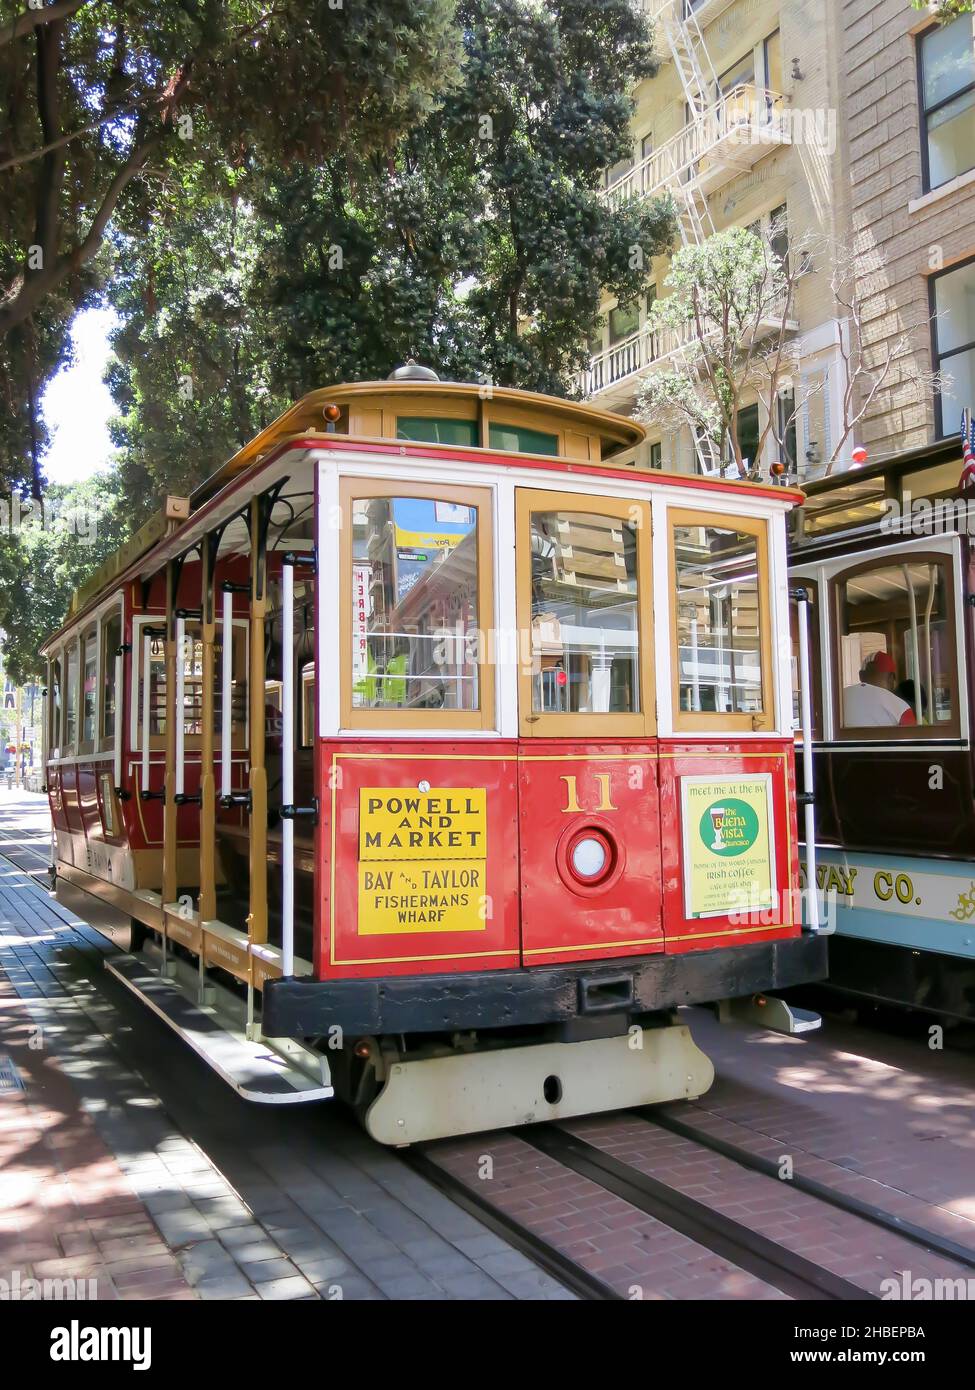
x: 729, y: 328
x: 484, y: 245
x: 478, y: 244
x: 44, y: 555
x: 726, y: 326
x: 105, y: 97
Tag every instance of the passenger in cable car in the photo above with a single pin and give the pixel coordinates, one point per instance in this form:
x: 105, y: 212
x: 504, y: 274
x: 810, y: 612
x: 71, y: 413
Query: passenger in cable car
x: 872, y: 703
x: 906, y: 691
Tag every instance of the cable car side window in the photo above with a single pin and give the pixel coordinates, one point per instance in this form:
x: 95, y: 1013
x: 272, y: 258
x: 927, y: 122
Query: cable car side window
x: 192, y: 682
x: 895, y: 666
x: 71, y: 700
x: 54, y: 734
x: 815, y: 674
x: 584, y: 611
x: 111, y: 641
x: 721, y: 621
x: 417, y: 591
x: 90, y: 688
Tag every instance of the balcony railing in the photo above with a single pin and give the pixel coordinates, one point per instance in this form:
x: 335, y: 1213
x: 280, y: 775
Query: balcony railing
x: 650, y: 347
x: 616, y: 372
x: 729, y: 137
x: 704, y: 11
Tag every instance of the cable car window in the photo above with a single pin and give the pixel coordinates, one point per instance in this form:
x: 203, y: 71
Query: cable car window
x: 193, y: 681
x: 111, y: 641
x: 895, y: 663
x: 238, y: 683
x: 430, y: 430
x: 90, y: 687
x: 721, y: 627
x: 814, y: 672
x: 157, y: 683
x: 415, y: 604
x: 585, y: 634
x: 308, y: 705
x: 71, y: 704
x: 55, y: 686
x: 515, y: 440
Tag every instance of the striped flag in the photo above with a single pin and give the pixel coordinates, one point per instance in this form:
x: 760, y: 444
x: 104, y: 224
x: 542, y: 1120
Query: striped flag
x: 967, y: 478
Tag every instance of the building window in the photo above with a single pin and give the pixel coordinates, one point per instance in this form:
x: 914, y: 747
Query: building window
x: 623, y: 323
x: 785, y: 408
x: 773, y: 62
x: 656, y: 456
x: 778, y: 234
x: 953, y: 343
x: 947, y: 92
x: 618, y: 171
x: 748, y: 432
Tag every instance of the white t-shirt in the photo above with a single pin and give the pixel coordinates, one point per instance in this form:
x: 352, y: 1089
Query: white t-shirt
x: 871, y: 706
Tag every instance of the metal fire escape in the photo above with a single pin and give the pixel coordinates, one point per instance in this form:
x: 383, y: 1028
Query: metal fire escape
x: 677, y: 23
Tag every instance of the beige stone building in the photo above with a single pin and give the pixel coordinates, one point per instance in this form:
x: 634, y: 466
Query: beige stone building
x: 847, y: 120
x: 741, y: 126
x: 909, y: 106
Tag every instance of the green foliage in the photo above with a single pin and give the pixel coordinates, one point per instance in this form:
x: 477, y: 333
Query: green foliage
x: 478, y: 244
x: 45, y: 555
x: 107, y: 103
x: 724, y: 293
x: 945, y: 10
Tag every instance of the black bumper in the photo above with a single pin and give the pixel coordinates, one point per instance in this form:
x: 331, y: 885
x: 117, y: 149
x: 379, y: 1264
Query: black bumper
x: 303, y: 1008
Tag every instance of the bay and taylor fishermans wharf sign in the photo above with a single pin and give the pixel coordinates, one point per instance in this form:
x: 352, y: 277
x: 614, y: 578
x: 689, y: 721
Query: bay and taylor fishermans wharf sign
x: 422, y: 860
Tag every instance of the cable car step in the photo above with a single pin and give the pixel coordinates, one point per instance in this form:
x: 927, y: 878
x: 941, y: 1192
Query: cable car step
x: 770, y: 1012
x: 261, y: 1071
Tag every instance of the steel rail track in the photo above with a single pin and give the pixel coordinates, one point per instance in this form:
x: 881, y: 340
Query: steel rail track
x: 774, y: 1264
x: 853, y: 1206
x: 542, y: 1252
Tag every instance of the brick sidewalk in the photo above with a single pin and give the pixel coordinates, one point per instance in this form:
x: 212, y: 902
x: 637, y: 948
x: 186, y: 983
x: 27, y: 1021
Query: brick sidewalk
x: 67, y: 1211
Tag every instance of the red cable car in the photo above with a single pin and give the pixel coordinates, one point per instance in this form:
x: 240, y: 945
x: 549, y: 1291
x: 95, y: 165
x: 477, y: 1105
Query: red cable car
x: 434, y: 753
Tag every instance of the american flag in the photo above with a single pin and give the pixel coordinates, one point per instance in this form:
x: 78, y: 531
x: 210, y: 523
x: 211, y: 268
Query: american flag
x: 967, y: 479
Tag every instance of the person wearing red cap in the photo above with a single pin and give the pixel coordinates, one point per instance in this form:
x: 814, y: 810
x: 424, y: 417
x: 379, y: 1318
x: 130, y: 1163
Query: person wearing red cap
x: 872, y: 703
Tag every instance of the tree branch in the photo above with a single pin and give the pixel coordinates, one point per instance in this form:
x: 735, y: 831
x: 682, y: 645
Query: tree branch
x: 30, y: 20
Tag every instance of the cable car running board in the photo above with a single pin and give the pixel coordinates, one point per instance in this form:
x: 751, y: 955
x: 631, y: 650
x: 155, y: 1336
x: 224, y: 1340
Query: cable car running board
x: 258, y: 1071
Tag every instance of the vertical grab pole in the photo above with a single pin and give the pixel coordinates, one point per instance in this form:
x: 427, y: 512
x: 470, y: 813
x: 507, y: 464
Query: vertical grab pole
x: 226, y: 678
x: 146, y: 659
x: 287, y: 767
x: 180, y: 702
x: 117, y: 731
x: 809, y: 806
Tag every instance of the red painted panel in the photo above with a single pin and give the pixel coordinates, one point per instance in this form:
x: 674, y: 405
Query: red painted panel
x: 567, y: 788
x: 88, y: 799
x: 743, y: 759
x: 371, y: 927
x: 69, y: 798
x: 55, y: 797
